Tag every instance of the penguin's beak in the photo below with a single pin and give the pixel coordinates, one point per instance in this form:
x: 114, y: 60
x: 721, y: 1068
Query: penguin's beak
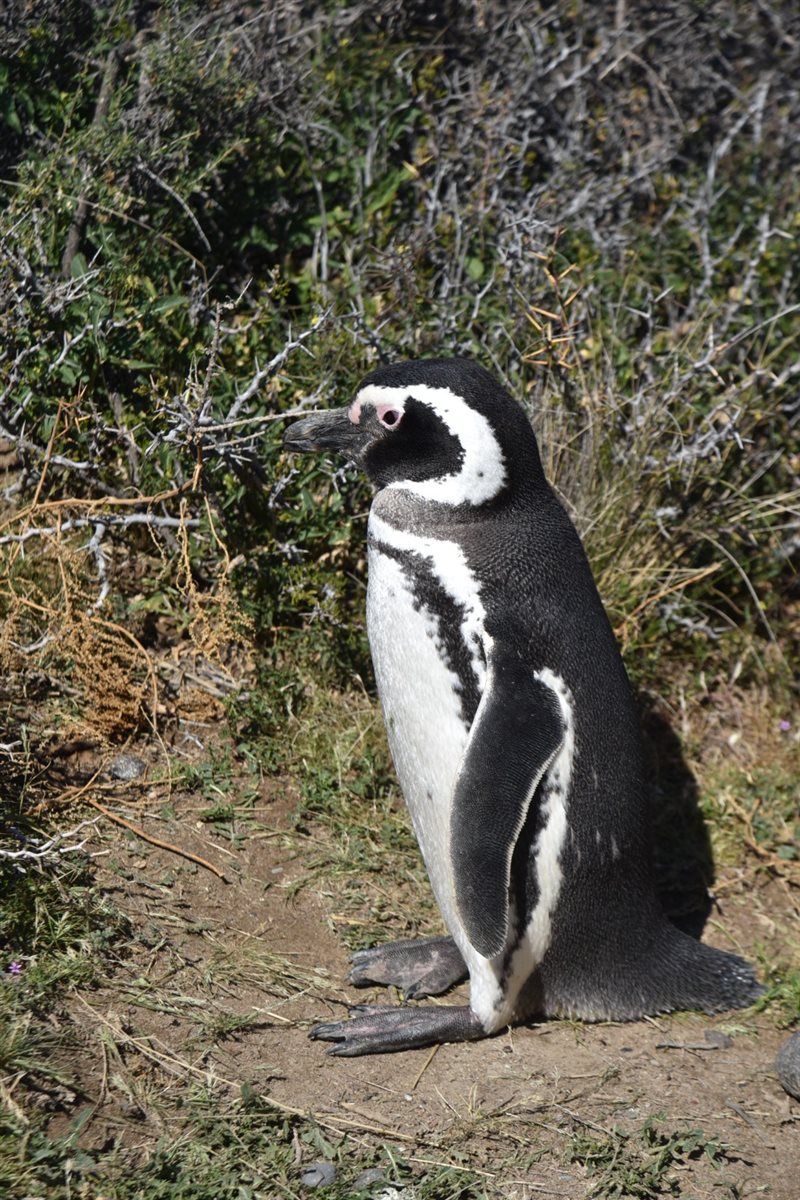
x: 325, y: 431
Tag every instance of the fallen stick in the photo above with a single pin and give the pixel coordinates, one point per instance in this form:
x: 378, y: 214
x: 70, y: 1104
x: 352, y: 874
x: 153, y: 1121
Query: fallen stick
x: 154, y: 841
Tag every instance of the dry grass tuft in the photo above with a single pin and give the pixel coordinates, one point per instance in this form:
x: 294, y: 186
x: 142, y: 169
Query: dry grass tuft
x: 58, y: 590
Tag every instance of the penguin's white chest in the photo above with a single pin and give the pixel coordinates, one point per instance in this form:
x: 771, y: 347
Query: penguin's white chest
x: 420, y: 690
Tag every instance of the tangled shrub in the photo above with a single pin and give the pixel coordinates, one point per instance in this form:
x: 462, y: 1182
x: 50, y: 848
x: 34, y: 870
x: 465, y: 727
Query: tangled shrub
x: 211, y: 217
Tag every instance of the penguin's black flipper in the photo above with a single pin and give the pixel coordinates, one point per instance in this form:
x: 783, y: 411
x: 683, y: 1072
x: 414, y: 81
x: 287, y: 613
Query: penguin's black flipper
x: 420, y: 966
x: 379, y: 1029
x: 517, y: 731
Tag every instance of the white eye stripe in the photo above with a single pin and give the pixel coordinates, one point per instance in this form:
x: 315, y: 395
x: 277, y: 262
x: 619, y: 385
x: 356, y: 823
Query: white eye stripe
x: 482, y: 474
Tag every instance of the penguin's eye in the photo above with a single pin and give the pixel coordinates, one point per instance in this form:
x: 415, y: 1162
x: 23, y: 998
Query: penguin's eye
x: 388, y: 416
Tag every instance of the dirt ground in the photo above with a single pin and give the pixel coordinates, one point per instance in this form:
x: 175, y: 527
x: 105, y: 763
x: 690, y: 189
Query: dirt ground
x: 228, y: 976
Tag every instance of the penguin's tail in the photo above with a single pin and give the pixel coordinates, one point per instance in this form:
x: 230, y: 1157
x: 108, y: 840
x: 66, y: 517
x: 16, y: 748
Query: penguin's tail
x: 702, y: 977
x: 671, y: 972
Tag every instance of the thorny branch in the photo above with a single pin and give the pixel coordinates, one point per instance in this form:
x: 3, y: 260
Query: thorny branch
x: 109, y: 520
x: 192, y: 421
x: 508, y: 160
x: 198, y: 426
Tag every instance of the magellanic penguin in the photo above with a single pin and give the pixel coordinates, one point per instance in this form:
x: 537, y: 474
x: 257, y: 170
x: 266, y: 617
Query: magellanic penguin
x: 512, y: 727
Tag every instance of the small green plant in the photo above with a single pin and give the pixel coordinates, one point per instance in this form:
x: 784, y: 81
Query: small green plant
x: 640, y: 1163
x: 56, y: 932
x: 228, y: 781
x: 224, y: 1150
x: 32, y: 1163
x: 782, y: 995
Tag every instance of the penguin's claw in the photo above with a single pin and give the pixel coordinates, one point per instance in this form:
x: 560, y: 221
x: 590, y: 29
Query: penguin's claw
x: 424, y: 967
x: 379, y: 1029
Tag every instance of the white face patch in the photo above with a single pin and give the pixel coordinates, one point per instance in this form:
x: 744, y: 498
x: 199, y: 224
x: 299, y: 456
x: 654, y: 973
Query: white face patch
x: 482, y: 473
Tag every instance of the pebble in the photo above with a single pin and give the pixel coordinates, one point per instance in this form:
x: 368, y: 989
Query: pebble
x: 318, y: 1174
x: 715, y: 1037
x: 368, y: 1177
x: 127, y: 766
x: 787, y: 1064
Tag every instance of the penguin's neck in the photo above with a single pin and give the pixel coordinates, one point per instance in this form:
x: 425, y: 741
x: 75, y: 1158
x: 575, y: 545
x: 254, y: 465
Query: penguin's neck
x: 426, y: 518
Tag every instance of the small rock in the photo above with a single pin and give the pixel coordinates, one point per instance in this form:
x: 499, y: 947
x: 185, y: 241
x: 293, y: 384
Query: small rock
x: 787, y: 1064
x: 368, y: 1177
x: 127, y: 766
x: 718, y: 1039
x: 319, y: 1174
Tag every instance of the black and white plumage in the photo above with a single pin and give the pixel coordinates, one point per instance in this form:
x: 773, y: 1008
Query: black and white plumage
x: 512, y: 727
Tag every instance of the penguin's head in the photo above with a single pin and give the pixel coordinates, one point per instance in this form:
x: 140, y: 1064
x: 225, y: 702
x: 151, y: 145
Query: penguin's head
x: 441, y: 428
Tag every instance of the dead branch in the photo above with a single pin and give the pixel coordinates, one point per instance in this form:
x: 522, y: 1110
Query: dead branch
x: 52, y: 849
x: 154, y: 841
x: 109, y: 520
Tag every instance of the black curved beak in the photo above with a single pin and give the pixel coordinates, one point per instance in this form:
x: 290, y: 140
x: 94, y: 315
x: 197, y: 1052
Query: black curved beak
x: 325, y: 431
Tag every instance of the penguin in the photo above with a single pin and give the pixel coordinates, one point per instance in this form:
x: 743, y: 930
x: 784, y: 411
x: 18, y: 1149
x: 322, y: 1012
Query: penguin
x: 512, y: 727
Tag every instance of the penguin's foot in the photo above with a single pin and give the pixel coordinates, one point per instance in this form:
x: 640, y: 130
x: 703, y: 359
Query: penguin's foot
x: 424, y: 967
x: 379, y: 1029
